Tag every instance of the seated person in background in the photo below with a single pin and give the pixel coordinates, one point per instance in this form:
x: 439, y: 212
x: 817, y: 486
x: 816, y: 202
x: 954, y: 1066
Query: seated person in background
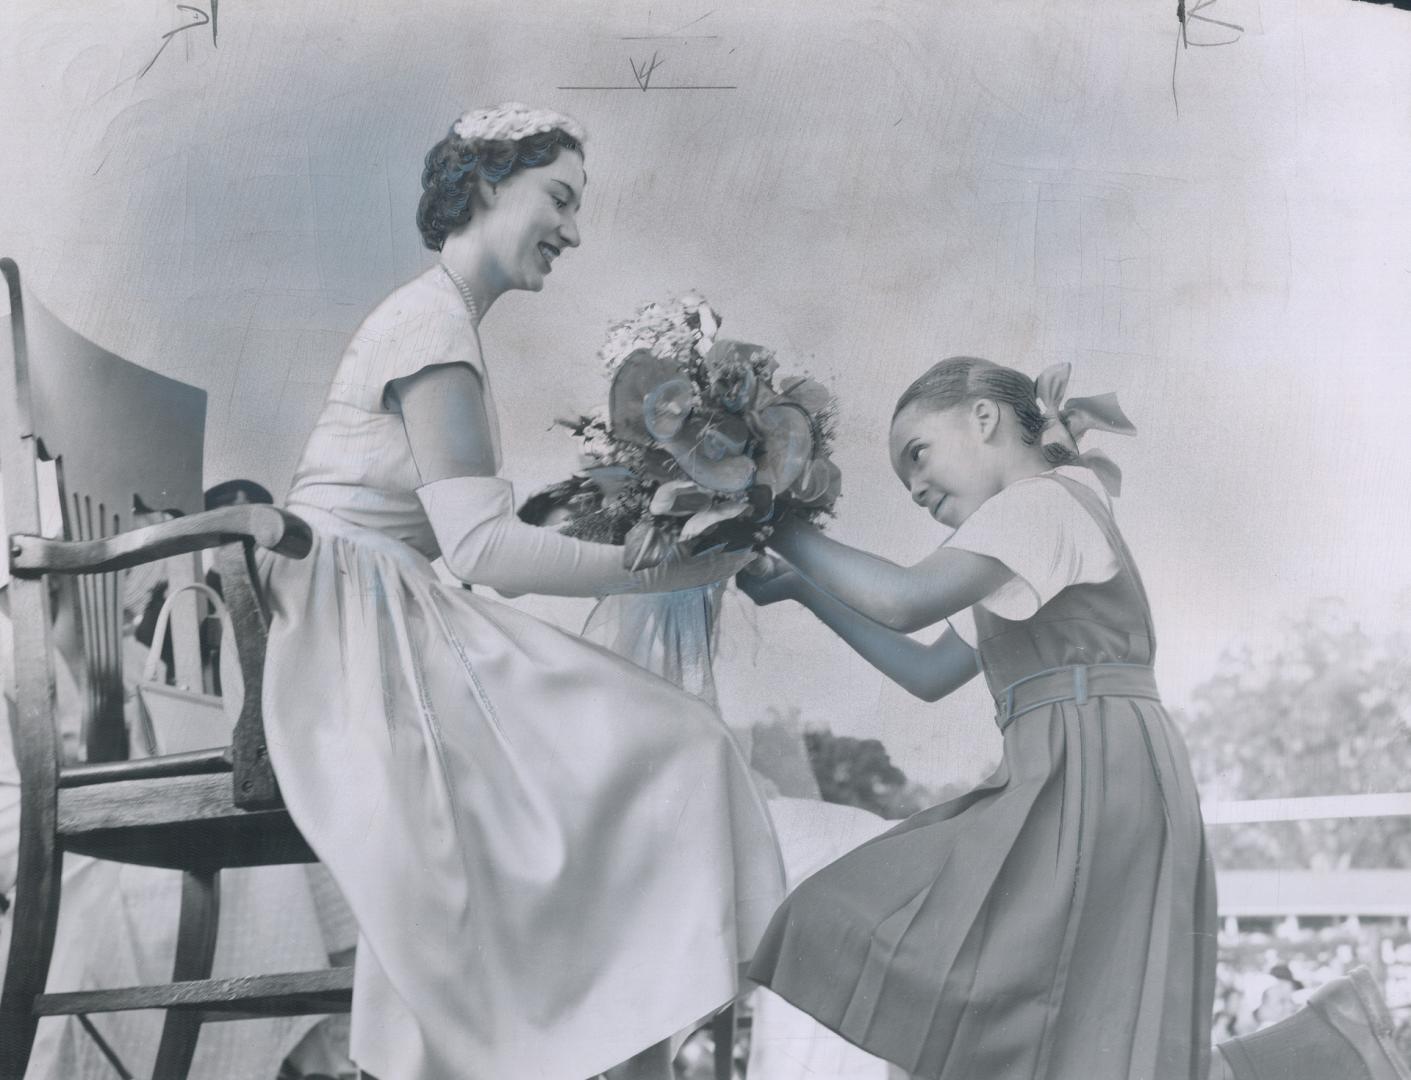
x: 236, y: 493
x: 144, y: 590
x: 1278, y: 1001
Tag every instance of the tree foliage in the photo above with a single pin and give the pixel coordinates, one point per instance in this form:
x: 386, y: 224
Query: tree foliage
x: 859, y: 772
x: 1325, y: 712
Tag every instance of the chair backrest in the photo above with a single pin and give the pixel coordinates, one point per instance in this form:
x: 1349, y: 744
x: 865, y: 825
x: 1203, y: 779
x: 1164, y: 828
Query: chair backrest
x: 124, y: 439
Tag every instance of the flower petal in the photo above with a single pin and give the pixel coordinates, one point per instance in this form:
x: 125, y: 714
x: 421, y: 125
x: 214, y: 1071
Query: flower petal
x: 712, y: 516
x: 645, y: 546
x: 808, y: 393
x: 787, y: 434
x: 678, y: 498
x: 728, y: 475
x: 666, y: 407
x: 820, y: 483
x: 725, y: 437
x: 637, y: 376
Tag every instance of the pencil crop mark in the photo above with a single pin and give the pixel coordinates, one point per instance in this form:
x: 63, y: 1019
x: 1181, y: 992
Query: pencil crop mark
x: 1185, y: 16
x: 644, y: 70
x: 200, y: 17
x: 677, y: 33
x: 643, y: 74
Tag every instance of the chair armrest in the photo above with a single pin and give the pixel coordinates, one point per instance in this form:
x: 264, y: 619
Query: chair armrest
x: 276, y: 530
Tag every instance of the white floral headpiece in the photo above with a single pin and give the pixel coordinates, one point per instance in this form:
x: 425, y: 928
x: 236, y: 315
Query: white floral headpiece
x: 512, y: 121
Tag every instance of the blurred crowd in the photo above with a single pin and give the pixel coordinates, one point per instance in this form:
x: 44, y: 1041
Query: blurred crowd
x: 1265, y: 976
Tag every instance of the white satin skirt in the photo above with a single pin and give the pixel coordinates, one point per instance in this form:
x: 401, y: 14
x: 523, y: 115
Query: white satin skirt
x: 555, y: 857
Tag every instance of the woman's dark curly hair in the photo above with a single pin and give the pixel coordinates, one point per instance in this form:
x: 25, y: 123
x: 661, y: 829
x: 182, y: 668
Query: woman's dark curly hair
x: 454, y: 165
x: 961, y: 379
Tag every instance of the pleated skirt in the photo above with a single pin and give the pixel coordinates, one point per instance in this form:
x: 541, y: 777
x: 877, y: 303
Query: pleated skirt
x: 1057, y: 922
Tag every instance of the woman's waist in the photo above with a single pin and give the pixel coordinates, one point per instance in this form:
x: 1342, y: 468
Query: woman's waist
x: 1078, y: 683
x: 396, y: 534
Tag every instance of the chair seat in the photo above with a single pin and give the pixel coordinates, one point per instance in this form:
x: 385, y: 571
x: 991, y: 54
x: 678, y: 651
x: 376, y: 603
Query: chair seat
x: 180, y: 822
x: 246, y: 998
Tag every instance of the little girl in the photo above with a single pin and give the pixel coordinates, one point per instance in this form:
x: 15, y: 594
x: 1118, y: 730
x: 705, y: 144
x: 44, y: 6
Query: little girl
x: 1059, y: 920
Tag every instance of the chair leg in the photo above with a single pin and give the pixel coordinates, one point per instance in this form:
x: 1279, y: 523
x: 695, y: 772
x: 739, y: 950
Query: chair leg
x: 722, y: 1030
x: 195, y: 953
x: 36, y: 917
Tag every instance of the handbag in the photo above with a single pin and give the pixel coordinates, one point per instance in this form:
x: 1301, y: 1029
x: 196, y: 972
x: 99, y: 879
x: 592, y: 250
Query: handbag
x: 178, y: 719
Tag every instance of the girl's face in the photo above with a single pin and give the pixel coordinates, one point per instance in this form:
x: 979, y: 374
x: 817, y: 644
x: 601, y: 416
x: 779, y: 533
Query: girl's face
x: 531, y: 217
x: 940, y: 455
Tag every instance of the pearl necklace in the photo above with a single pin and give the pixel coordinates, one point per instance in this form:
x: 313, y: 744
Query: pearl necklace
x: 466, y: 295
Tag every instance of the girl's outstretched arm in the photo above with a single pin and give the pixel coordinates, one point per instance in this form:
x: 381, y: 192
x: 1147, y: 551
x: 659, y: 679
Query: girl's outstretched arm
x: 903, y: 598
x: 929, y: 672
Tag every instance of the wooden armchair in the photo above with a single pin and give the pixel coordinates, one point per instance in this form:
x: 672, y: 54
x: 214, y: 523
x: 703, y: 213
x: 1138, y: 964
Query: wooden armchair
x: 119, y: 436
x: 104, y: 437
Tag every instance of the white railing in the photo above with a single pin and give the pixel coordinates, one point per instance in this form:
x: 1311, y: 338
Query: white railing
x: 1312, y: 893
x: 1254, y: 811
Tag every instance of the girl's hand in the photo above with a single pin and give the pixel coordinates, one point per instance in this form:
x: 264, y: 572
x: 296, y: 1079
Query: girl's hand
x: 789, y: 535
x: 768, y: 580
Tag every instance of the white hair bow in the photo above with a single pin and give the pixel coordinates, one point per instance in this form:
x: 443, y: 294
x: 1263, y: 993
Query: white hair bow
x: 1069, y: 420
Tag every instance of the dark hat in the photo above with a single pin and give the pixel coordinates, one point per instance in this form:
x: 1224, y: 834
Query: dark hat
x: 232, y: 492
x: 1281, y: 971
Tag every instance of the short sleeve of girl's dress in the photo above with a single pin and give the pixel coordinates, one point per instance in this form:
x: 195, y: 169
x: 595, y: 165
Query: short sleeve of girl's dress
x: 1041, y: 532
x: 420, y: 325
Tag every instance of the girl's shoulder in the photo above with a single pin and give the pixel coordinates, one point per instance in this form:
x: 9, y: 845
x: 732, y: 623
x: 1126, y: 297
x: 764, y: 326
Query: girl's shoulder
x: 1035, y: 502
x: 1041, y: 530
x: 1051, y: 482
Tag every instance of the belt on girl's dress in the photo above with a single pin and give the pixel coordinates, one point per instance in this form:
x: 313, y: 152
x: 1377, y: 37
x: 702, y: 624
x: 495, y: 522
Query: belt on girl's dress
x: 1077, y: 684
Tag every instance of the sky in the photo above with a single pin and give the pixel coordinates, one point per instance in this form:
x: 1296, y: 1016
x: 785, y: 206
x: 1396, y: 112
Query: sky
x: 881, y: 185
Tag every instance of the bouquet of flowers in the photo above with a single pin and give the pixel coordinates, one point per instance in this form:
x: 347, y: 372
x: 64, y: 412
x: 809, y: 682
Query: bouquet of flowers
x: 702, y: 443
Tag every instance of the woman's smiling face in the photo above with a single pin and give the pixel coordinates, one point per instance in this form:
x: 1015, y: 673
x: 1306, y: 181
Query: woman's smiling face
x: 531, y: 217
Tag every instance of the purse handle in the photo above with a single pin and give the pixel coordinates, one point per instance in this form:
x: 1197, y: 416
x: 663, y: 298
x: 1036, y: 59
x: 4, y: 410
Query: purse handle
x: 159, y: 629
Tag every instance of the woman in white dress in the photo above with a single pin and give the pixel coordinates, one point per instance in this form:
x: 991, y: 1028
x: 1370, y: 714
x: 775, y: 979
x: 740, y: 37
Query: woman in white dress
x: 556, y: 859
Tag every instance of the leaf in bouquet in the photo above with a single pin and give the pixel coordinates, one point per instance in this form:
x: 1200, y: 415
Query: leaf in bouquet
x: 727, y: 356
x: 645, y: 546
x: 726, y: 352
x: 659, y: 465
x: 739, y: 394
x: 820, y: 484
x: 811, y: 394
x: 711, y: 516
x: 835, y: 486
x: 666, y: 407
x: 609, y: 479
x: 761, y: 499
x: 728, y: 475
x: 726, y: 436
x: 787, y: 435
x: 680, y: 498
x: 764, y: 397
x: 730, y: 368
x: 636, y: 377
